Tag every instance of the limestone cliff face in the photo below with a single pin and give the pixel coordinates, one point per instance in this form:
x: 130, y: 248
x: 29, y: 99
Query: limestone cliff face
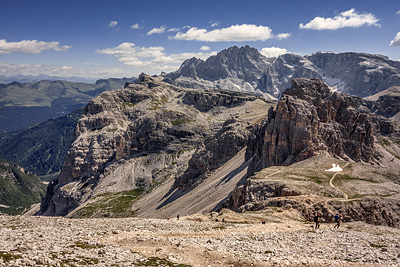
x: 310, y: 119
x: 137, y: 137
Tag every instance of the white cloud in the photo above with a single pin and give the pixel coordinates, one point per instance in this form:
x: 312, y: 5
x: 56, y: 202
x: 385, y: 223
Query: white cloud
x: 281, y: 36
x: 205, y: 48
x: 349, y: 18
x: 244, y: 32
x: 157, y: 30
x: 273, y: 51
x: 9, y: 69
x: 113, y: 23
x: 150, y: 59
x: 174, y: 30
x: 135, y: 26
x: 396, y: 40
x: 30, y: 46
x: 398, y: 12
x: 215, y: 24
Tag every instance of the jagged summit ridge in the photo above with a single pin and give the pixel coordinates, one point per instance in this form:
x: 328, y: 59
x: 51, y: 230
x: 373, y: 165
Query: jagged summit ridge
x: 245, y: 69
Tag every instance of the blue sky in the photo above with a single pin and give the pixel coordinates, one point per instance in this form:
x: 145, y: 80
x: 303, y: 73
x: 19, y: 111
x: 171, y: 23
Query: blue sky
x: 123, y: 38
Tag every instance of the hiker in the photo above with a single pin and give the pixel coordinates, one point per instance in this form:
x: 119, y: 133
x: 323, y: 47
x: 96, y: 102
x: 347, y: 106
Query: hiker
x: 262, y: 221
x: 317, y: 220
x: 177, y: 217
x: 338, y: 220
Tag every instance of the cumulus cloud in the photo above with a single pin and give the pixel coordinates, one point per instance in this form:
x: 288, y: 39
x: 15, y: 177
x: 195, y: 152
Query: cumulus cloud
x: 174, y: 30
x: 349, y: 18
x: 396, y: 40
x: 113, y: 23
x: 239, y: 33
x: 150, y: 59
x: 30, y: 46
x: 398, y: 12
x: 205, y: 48
x: 281, y: 36
x: 135, y: 26
x: 8, y: 69
x: 157, y: 30
x: 273, y: 51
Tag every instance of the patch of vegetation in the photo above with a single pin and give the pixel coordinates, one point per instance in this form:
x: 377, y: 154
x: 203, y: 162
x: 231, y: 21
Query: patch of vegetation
x: 179, y: 122
x: 268, y: 252
x: 85, y: 245
x: 79, y: 260
x: 127, y: 105
x: 346, y: 177
x: 155, y: 261
x: 113, y: 130
x: 221, y: 227
x: 376, y: 246
x: 315, y: 179
x: 115, y: 205
x: 8, y: 256
x: 384, y: 142
x: 156, y: 103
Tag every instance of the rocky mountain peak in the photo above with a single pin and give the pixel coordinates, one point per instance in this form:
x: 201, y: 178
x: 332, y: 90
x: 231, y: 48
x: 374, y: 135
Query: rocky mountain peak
x: 245, y: 69
x: 311, y: 120
x: 136, y: 137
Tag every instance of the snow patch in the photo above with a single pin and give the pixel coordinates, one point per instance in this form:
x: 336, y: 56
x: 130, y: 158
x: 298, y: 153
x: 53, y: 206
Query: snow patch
x: 335, y: 168
x: 335, y: 84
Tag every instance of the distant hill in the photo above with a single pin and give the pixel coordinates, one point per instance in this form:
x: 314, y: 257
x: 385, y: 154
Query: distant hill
x: 24, y: 104
x: 19, y: 189
x: 31, y: 78
x: 41, y: 148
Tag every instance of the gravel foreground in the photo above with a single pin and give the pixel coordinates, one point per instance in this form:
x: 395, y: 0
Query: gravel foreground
x: 192, y: 241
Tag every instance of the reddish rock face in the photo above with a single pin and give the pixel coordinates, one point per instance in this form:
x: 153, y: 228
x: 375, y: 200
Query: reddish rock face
x: 310, y: 119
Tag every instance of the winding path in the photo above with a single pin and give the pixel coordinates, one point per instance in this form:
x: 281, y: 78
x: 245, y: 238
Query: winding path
x: 333, y: 177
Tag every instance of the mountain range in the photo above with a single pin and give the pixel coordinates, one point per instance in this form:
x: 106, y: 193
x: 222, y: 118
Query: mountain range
x: 246, y: 69
x: 156, y: 150
x: 209, y: 134
x: 25, y: 104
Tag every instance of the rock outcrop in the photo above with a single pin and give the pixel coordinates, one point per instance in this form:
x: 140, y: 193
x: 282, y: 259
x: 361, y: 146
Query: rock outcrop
x: 260, y: 195
x: 311, y: 128
x: 137, y: 137
x: 310, y: 119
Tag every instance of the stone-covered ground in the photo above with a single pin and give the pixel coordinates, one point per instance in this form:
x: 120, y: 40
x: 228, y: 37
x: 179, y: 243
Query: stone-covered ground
x: 197, y: 240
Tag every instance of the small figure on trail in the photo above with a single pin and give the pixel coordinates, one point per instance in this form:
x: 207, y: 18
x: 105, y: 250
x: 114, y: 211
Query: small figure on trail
x: 262, y: 221
x: 338, y: 220
x: 317, y: 220
x: 223, y: 219
x: 168, y: 218
x: 177, y: 217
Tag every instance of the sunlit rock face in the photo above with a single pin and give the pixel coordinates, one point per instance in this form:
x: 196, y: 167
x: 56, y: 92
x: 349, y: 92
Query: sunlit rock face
x: 310, y: 119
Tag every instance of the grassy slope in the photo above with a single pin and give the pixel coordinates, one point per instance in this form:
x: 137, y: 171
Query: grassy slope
x: 18, y: 190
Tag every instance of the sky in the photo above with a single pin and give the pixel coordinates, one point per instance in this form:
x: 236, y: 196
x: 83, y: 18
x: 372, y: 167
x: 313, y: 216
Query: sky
x: 101, y: 39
